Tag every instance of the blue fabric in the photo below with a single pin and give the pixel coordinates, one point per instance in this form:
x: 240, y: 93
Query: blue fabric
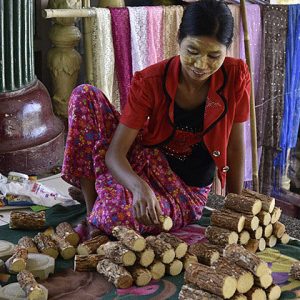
x: 291, y: 115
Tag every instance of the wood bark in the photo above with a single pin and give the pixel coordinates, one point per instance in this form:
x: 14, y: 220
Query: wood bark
x: 256, y: 294
x: 174, y: 268
x: 66, y: 231
x: 252, y: 245
x: 140, y: 275
x: 221, y: 236
x: 251, y: 222
x: 285, y: 238
x: 157, y: 269
x: 91, y: 246
x: 66, y: 250
x: 228, y: 219
x: 273, y: 292
x: 206, y: 253
x: 117, y: 253
x: 264, y: 281
x: 24, y: 220
x: 166, y: 223
x: 27, y: 243
x: 208, y: 279
x: 243, y: 277
x: 243, y: 204
x: 32, y: 289
x: 189, y: 259
x: 244, y: 237
x: 246, y: 260
x: 295, y: 270
x: 162, y: 250
x: 276, y: 215
x: 130, y: 238
x: 146, y: 257
x: 87, y: 263
x: 192, y: 292
x: 278, y: 229
x: 18, y: 261
x: 258, y: 233
x: 268, y: 230
x: 262, y: 244
x: 177, y: 244
x: 46, y: 245
x: 264, y: 218
x: 268, y: 203
x: 115, y: 274
x: 271, y: 241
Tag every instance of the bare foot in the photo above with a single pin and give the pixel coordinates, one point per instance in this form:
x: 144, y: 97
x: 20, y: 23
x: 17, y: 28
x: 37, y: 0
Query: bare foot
x: 76, y: 194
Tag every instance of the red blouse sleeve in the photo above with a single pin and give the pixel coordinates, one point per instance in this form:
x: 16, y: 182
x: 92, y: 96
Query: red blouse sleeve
x: 243, y: 94
x: 138, y: 106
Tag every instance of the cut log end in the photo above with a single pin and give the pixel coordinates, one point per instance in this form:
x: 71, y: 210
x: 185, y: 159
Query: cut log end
x: 264, y: 281
x: 229, y: 287
x: 268, y: 230
x: 158, y: 270
x: 254, y: 223
x: 244, y: 237
x: 129, y: 258
x: 17, y: 265
x: 147, y: 257
x: 141, y: 276
x: 252, y: 245
x: 271, y: 241
x: 285, y: 238
x: 37, y: 294
x: 181, y: 250
x: 273, y: 292
x: 175, y: 267
x: 73, y: 238
x: 256, y: 208
x: 189, y: 259
x: 257, y: 294
x: 168, y: 256
x: 276, y: 215
x: 245, y: 283
x: 279, y: 229
x: 139, y: 245
x: 166, y: 223
x: 262, y: 244
x: 262, y: 269
x: 233, y: 238
x: 51, y: 252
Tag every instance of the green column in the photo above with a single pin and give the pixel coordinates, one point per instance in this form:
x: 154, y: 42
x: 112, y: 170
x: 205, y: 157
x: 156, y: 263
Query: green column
x: 16, y: 44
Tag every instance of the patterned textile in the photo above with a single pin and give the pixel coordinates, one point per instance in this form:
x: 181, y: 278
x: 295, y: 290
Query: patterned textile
x: 234, y: 49
x: 121, y: 41
x: 155, y: 34
x: 171, y: 22
x: 92, y: 122
x: 138, y: 28
x: 270, y: 91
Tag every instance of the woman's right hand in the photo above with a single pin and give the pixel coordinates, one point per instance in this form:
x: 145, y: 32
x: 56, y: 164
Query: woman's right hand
x: 146, y: 207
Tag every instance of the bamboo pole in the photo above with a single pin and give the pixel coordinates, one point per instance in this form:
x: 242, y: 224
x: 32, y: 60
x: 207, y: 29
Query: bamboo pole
x: 252, y: 100
x: 68, y: 13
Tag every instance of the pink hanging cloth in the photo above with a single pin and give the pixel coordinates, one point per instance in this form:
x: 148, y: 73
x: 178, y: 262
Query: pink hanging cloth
x: 122, y: 46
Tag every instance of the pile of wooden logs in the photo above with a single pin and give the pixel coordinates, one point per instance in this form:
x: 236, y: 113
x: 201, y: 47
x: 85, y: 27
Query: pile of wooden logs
x: 250, y: 219
x: 133, y: 259
x: 235, y: 273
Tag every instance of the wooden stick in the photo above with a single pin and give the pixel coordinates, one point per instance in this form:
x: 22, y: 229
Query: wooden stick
x: 91, y: 246
x: 140, y: 275
x: 166, y: 222
x: 205, y: 252
x: 285, y: 238
x: 273, y: 292
x: 192, y: 292
x: 264, y: 281
x: 27, y: 243
x: 189, y: 259
x: 66, y: 231
x: 271, y: 241
x: 268, y: 202
x: 256, y: 294
x: 264, y: 218
x: 252, y: 245
x: 174, y: 268
x: 228, y: 219
x: 251, y: 222
x: 87, y: 263
x: 24, y: 220
x: 66, y: 250
x: 279, y: 229
x: 276, y: 215
x: 177, y: 244
x: 243, y: 204
x: 244, y: 237
x: 68, y: 13
x: 262, y: 244
x: 46, y: 245
x: 146, y: 257
x: 157, y: 269
x: 18, y: 261
x: 221, y: 236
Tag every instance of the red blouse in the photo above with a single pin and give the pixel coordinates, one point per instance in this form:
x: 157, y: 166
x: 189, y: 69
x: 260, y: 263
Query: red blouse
x: 150, y: 105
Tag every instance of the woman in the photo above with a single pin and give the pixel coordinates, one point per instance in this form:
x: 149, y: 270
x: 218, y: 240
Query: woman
x: 183, y: 118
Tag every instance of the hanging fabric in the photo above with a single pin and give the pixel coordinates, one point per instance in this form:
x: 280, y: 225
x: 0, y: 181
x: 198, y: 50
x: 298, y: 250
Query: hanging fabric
x: 122, y: 48
x: 155, y: 34
x: 271, y: 95
x: 290, y: 122
x: 171, y: 23
x: 255, y: 31
x: 138, y: 28
x: 234, y: 49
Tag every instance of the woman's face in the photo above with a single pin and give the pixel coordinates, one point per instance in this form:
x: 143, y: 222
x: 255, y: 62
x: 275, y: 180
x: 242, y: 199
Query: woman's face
x: 200, y: 57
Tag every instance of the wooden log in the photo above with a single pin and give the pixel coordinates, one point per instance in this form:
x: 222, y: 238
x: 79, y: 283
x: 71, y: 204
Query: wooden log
x: 177, y: 244
x: 252, y: 245
x: 66, y: 231
x: 27, y: 220
x: 87, y: 263
x: 243, y: 204
x: 243, y: 277
x: 276, y: 215
x: 146, y: 257
x: 271, y: 241
x: 140, y: 275
x: 188, y: 259
x: 285, y: 239
x: 157, y: 269
x: 268, y: 203
x: 221, y: 236
x: 264, y: 281
x: 244, y: 237
x: 162, y: 250
x: 238, y: 296
x: 251, y: 222
x: 129, y: 238
x: 115, y: 274
x: 246, y: 260
x: 211, y: 280
x: 174, y: 268
x: 27, y: 243
x: 206, y: 253
x: 257, y: 234
x: 66, y: 250
x: 264, y: 218
x: 166, y: 222
x: 32, y: 289
x: 91, y: 246
x: 117, y: 253
x: 228, y: 219
x: 46, y: 245
x: 278, y: 229
x: 273, y: 292
x: 256, y: 294
x: 18, y: 261
x: 268, y: 230
x: 295, y: 270
x: 262, y: 244
x: 192, y: 292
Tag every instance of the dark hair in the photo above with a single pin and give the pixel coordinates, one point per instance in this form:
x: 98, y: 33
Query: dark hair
x: 209, y: 18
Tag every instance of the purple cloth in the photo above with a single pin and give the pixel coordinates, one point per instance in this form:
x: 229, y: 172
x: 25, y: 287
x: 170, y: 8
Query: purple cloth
x: 123, y: 60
